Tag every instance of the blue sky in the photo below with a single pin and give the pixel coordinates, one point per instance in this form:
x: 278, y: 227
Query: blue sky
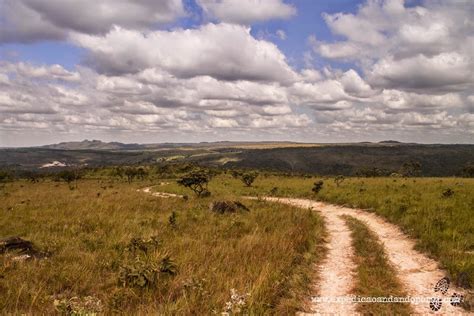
x: 189, y: 70
x: 307, y: 22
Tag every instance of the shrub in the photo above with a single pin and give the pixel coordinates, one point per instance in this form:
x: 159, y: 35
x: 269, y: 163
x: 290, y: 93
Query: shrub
x: 411, y: 169
x: 133, y: 173
x: 32, y: 176
x: 5, y: 176
x: 338, y: 180
x: 144, y: 245
x: 317, y: 186
x: 369, y: 172
x: 468, y: 171
x: 236, y: 174
x: 70, y: 176
x: 222, y: 207
x: 448, y: 193
x: 172, y: 220
x: 117, y: 172
x: 144, y: 274
x: 167, y: 266
x: 274, y: 191
x: 139, y: 274
x: 248, y: 178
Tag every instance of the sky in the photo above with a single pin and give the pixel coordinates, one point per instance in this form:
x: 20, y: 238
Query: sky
x: 147, y: 71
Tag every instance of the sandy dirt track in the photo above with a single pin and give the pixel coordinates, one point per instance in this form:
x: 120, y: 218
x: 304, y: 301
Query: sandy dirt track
x: 417, y: 273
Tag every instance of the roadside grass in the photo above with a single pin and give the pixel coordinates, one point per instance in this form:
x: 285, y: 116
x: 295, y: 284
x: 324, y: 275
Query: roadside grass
x: 443, y: 226
x: 268, y: 252
x: 375, y: 277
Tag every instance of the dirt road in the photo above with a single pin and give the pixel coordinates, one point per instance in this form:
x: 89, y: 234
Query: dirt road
x: 417, y: 273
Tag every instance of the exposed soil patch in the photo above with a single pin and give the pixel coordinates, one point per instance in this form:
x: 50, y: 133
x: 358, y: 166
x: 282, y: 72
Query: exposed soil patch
x: 160, y: 194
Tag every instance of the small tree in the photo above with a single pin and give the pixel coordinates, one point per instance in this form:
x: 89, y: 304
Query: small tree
x: 5, y: 176
x: 338, y: 180
x: 196, y: 181
x: 318, y: 186
x: 468, y: 171
x: 117, y: 172
x: 130, y: 173
x: 70, y: 176
x: 236, y: 174
x: 248, y: 178
x: 411, y: 169
x: 141, y: 173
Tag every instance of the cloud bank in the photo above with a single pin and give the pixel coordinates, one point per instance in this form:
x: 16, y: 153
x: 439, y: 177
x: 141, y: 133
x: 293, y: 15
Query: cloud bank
x: 410, y: 77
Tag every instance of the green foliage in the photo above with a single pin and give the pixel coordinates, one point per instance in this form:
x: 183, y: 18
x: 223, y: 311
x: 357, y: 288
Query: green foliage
x: 197, y: 181
x: 338, y: 180
x: 370, y: 172
x: 117, y: 172
x: 317, y: 186
x: 32, y: 176
x: 70, y: 176
x: 133, y: 172
x: 139, y: 273
x: 411, y: 169
x: 468, y: 171
x: 142, y: 273
x: 248, y: 178
x: 331, y: 160
x: 5, y: 176
x: 144, y: 245
x: 236, y: 174
x: 167, y: 266
x: 144, y: 270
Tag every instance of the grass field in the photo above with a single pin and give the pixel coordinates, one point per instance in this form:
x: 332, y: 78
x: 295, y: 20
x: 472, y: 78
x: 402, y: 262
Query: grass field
x: 104, y: 254
x: 113, y: 249
x: 443, y: 225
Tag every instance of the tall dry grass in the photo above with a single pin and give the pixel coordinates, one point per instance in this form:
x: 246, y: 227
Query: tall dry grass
x: 268, y: 252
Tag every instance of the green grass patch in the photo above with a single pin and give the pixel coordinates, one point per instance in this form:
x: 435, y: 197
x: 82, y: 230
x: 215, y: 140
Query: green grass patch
x: 375, y: 277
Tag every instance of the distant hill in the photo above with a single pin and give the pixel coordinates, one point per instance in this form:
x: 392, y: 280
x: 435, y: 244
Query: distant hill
x: 100, y: 145
x: 435, y: 160
x: 323, y: 159
x: 93, y: 145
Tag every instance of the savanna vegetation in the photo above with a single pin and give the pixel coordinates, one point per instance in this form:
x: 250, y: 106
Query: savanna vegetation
x: 110, y: 248
x: 437, y: 212
x: 114, y: 248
